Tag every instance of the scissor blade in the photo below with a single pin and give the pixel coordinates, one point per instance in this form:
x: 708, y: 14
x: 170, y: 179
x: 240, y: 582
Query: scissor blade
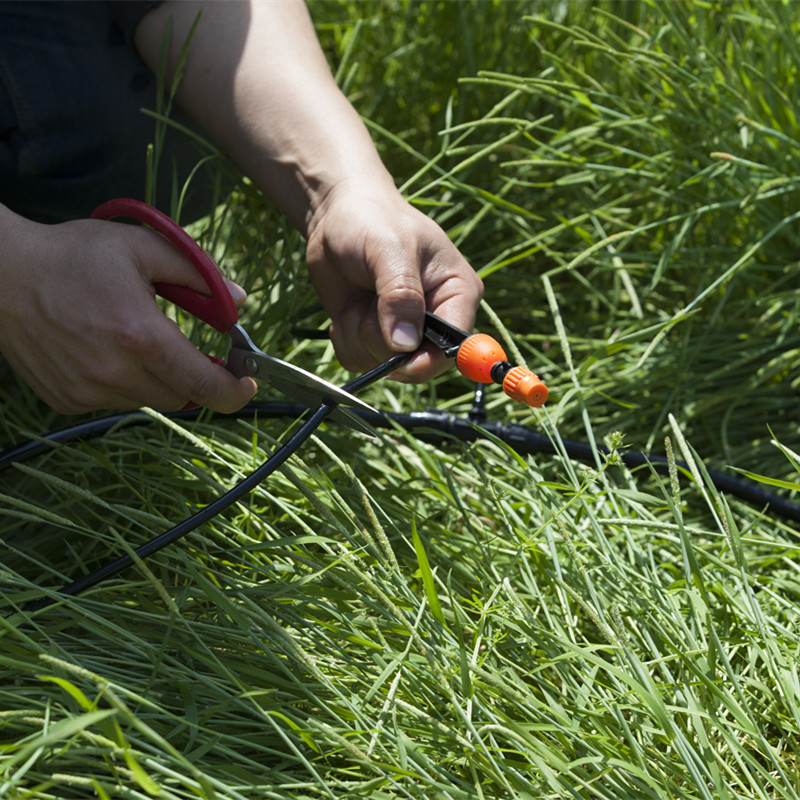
x: 342, y: 416
x: 293, y: 381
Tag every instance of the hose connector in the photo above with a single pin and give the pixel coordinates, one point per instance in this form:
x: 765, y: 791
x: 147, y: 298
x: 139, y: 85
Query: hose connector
x: 524, y: 386
x: 481, y: 359
x: 477, y: 355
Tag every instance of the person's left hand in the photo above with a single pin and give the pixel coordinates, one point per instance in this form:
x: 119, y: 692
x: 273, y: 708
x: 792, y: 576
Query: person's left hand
x: 378, y: 264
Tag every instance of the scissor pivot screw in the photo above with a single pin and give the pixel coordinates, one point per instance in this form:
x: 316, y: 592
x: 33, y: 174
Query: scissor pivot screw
x: 251, y: 365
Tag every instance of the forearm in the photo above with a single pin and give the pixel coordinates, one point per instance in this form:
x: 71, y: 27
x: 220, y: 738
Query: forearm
x: 10, y: 225
x: 257, y: 82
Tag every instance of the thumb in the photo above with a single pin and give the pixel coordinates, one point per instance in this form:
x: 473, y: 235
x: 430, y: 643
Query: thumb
x: 401, y: 306
x: 158, y: 260
x: 238, y: 294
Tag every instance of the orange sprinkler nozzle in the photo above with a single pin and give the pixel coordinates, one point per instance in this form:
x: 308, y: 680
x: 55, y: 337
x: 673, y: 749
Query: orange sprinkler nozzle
x: 481, y: 359
x: 524, y: 386
x: 477, y: 355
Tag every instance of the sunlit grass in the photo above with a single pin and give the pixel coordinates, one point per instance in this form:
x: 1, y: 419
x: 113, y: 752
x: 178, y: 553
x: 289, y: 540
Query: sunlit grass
x: 390, y: 618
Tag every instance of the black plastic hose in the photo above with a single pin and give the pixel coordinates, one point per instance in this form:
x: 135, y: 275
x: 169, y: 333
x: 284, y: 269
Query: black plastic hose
x: 97, y: 427
x: 431, y: 425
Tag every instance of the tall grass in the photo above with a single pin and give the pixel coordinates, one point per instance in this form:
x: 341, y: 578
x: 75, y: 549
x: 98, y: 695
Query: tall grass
x: 389, y: 618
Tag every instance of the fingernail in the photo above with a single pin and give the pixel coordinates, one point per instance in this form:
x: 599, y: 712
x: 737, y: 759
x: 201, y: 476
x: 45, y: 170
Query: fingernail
x: 405, y: 336
x: 238, y: 294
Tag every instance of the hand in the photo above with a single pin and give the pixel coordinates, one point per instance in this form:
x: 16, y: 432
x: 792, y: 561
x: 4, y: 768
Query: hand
x: 79, y: 321
x: 377, y: 265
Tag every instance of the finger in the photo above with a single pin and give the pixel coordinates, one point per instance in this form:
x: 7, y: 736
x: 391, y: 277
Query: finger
x: 401, y: 300
x: 347, y: 330
x: 370, y: 336
x: 184, y: 372
x: 423, y: 366
x: 161, y: 262
x: 453, y: 289
x: 454, y: 302
x: 100, y: 385
x: 123, y: 386
x: 178, y: 364
x: 238, y: 294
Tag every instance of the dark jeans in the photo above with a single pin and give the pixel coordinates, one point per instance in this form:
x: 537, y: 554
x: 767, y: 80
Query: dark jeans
x: 72, y: 130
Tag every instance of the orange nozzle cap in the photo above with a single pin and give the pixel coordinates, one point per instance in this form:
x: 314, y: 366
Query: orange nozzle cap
x: 524, y: 386
x: 476, y: 357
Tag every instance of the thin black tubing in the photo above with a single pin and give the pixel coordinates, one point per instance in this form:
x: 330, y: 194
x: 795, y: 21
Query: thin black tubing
x: 529, y: 442
x: 245, y: 486
x: 199, y: 517
x: 429, y: 425
x: 432, y: 425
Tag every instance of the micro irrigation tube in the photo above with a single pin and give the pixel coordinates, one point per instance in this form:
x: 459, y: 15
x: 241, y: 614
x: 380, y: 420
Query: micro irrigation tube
x: 98, y: 427
x: 430, y: 425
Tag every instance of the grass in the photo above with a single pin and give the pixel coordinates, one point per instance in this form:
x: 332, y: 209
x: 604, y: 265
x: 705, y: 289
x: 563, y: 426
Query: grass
x: 388, y: 618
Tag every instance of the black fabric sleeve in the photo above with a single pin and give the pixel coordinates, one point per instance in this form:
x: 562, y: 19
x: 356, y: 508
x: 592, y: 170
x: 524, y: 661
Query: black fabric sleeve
x: 126, y: 14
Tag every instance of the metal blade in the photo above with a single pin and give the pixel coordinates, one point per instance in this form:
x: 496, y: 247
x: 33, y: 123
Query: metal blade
x: 245, y: 359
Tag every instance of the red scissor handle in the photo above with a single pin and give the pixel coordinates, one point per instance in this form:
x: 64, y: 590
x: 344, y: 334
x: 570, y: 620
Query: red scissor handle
x: 216, y: 308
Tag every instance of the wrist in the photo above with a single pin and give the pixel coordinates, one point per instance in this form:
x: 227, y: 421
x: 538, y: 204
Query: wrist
x: 16, y: 239
x: 354, y: 188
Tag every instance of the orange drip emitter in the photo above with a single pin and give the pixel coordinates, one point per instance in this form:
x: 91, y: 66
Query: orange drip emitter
x: 481, y: 359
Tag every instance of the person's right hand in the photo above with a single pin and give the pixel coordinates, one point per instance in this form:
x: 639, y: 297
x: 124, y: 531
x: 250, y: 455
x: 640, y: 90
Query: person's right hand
x: 80, y: 324
x: 378, y: 264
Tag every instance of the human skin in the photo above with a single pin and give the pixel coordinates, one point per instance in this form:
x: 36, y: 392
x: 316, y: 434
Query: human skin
x: 258, y: 83
x: 80, y: 325
x: 78, y: 317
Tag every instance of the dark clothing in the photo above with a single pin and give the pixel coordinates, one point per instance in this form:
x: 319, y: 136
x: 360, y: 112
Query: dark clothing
x: 72, y: 130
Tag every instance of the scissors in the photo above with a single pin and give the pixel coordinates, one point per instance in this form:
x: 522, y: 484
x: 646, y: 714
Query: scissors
x: 218, y: 310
